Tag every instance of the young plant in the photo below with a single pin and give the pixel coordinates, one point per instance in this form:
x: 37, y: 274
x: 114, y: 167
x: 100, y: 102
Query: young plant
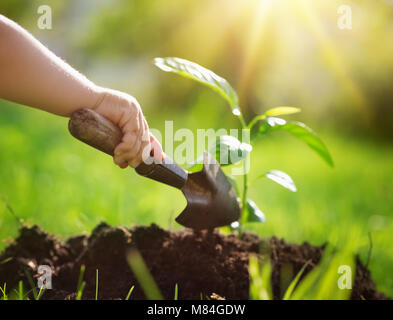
x: 259, y: 126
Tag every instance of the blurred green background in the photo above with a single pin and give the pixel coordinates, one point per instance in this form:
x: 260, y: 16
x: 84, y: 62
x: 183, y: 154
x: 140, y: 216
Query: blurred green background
x: 288, y: 52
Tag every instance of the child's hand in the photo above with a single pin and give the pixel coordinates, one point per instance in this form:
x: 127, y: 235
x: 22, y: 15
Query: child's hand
x: 34, y: 76
x: 123, y: 110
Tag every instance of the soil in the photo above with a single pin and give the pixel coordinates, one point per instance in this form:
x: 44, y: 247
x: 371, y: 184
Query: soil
x: 204, y: 262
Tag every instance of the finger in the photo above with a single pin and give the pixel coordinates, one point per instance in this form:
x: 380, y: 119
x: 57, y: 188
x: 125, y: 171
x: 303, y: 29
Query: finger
x: 139, y: 158
x: 124, y: 165
x: 133, y: 145
x: 130, y: 155
x: 145, y: 152
x: 146, y: 146
x: 124, y: 148
x: 156, y: 149
x: 132, y: 132
x: 128, y: 143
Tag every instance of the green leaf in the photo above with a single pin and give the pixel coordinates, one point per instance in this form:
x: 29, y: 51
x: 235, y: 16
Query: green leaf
x: 198, y: 73
x: 254, y: 214
x: 282, y: 179
x: 300, y: 131
x: 277, y: 111
x: 280, y: 111
x: 229, y: 150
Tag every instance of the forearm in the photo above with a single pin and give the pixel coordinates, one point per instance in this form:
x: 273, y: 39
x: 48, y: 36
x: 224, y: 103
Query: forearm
x: 32, y: 75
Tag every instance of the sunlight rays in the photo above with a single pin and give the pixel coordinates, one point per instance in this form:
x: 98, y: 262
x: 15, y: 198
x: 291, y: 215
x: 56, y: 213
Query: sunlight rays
x: 266, y: 29
x: 214, y: 38
x: 253, y: 43
x: 333, y: 59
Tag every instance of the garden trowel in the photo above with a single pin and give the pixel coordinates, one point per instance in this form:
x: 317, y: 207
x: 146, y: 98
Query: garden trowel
x: 211, y: 199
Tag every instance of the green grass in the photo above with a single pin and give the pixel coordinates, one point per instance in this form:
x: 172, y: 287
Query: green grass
x: 66, y: 187
x: 320, y: 284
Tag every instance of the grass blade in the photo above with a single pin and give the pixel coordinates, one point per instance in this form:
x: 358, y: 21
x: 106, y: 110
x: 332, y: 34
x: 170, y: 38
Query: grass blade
x: 176, y: 297
x: 96, y: 284
x: 145, y: 279
x: 260, y: 280
x: 20, y: 290
x: 129, y: 293
x: 40, y: 293
x: 81, y: 275
x: 3, y: 291
x: 31, y: 282
x: 80, y: 291
x: 291, y: 287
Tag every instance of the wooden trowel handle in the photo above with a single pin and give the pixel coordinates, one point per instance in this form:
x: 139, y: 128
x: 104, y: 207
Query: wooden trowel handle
x: 95, y: 130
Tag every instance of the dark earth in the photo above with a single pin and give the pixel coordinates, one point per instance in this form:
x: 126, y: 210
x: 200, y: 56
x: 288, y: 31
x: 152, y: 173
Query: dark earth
x: 208, y: 263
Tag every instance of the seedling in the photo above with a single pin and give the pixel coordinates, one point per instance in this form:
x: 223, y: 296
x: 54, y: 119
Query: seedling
x: 259, y: 126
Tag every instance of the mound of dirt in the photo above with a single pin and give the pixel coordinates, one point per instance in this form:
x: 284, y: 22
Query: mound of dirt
x: 207, y: 263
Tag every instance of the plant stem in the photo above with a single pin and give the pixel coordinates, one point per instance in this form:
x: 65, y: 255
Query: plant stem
x: 242, y: 121
x: 244, y: 195
x: 243, y: 218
